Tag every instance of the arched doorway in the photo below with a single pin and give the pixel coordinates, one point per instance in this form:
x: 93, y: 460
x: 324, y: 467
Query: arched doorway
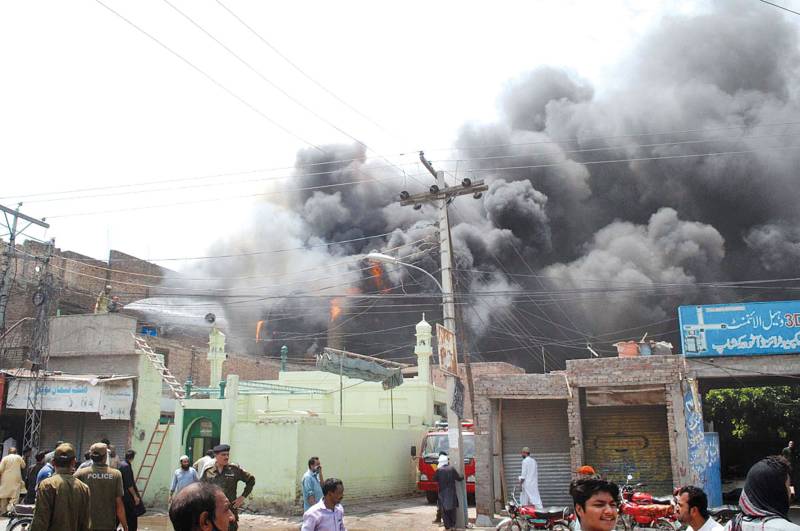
x: 201, y: 432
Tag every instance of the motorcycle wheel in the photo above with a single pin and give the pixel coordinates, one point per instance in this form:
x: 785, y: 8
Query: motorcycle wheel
x: 19, y: 525
x: 624, y: 523
x: 560, y: 526
x: 431, y: 496
x: 663, y: 524
x: 512, y: 525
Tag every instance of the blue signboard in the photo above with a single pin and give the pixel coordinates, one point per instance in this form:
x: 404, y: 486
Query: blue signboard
x: 740, y: 329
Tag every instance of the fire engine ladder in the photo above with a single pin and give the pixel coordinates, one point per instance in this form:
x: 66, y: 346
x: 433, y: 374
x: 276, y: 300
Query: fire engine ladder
x: 150, y: 459
x: 166, y: 376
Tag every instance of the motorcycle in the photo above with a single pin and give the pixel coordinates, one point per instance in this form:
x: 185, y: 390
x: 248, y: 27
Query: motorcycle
x: 724, y: 513
x: 526, y: 517
x: 20, y: 518
x: 641, y: 509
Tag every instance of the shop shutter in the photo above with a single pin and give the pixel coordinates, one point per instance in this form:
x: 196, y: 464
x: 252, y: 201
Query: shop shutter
x: 542, y: 426
x: 622, y: 440
x: 82, y: 430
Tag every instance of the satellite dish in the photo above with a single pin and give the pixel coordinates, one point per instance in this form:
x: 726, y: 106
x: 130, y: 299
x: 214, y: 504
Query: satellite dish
x: 210, y: 317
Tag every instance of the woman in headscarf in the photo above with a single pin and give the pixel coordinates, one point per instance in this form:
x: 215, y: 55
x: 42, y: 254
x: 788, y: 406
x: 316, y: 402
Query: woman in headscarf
x: 765, y: 498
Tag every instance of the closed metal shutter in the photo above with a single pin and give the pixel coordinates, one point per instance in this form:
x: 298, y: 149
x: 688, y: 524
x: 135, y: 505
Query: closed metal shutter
x: 542, y: 426
x: 82, y: 430
x: 633, y: 440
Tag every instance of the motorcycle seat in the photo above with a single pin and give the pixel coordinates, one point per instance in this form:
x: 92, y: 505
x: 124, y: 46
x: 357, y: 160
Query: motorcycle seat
x: 553, y: 511
x: 724, y: 510
x: 23, y: 510
x: 662, y: 500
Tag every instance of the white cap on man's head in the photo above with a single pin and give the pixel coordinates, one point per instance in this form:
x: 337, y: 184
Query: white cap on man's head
x: 443, y: 460
x: 184, y: 457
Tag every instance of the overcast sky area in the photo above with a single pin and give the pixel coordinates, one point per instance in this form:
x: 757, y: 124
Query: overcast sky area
x: 88, y: 101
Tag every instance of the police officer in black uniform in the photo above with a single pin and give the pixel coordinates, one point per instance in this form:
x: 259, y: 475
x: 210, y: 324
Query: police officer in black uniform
x: 227, y: 476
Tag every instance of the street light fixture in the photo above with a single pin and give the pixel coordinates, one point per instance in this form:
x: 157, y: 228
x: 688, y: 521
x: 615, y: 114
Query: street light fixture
x: 453, y: 421
x: 375, y: 256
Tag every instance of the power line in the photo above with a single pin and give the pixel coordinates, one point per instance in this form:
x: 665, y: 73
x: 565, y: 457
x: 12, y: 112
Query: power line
x: 294, y: 65
x: 472, y: 170
x: 733, y: 139
x: 265, y: 78
x: 55, y: 196
x: 633, y: 159
x: 256, y: 253
x: 216, y: 199
x: 613, y: 137
x: 212, y: 79
x: 781, y: 7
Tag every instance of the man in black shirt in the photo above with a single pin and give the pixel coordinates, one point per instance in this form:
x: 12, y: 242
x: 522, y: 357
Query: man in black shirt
x: 130, y: 496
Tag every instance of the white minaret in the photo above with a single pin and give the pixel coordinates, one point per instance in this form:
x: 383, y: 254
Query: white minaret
x: 216, y: 356
x: 424, y: 350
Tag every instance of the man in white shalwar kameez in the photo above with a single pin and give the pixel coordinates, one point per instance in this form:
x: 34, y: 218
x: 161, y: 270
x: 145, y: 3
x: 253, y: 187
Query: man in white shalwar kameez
x: 529, y: 480
x: 11, y: 483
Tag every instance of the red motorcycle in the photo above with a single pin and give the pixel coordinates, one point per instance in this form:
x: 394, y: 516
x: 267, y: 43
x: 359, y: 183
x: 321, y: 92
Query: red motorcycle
x: 523, y: 518
x: 641, y: 509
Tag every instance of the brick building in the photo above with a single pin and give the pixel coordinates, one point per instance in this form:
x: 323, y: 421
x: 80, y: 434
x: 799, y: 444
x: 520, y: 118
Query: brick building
x: 620, y: 415
x: 78, y: 279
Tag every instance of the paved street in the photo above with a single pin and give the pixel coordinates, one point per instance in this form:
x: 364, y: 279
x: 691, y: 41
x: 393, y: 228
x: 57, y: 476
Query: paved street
x: 407, y: 513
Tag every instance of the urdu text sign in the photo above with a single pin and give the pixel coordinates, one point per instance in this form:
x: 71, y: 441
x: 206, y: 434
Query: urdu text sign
x: 740, y: 329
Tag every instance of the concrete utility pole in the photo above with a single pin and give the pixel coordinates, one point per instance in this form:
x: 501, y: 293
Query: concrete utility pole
x: 10, y: 255
x: 441, y: 195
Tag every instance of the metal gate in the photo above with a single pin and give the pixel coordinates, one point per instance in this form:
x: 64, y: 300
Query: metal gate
x: 622, y: 440
x: 82, y: 430
x: 542, y: 426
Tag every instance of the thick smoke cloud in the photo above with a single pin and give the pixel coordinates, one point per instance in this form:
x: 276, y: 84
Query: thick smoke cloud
x: 607, y: 206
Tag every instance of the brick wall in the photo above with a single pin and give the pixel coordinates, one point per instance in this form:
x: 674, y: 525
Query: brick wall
x: 479, y: 370
x: 78, y: 280
x: 180, y: 363
x: 570, y: 384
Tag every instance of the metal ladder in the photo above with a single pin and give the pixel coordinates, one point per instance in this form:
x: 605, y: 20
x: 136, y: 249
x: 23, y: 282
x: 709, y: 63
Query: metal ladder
x: 150, y: 459
x: 166, y: 376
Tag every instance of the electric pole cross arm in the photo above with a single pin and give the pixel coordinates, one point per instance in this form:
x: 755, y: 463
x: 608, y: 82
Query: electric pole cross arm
x: 467, y: 187
x: 440, y: 195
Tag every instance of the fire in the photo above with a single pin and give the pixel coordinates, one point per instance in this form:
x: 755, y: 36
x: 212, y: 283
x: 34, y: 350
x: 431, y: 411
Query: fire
x: 336, y: 308
x: 376, y: 272
x: 259, y: 326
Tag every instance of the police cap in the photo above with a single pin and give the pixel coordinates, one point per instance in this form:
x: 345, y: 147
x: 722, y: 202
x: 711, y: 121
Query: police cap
x: 222, y: 448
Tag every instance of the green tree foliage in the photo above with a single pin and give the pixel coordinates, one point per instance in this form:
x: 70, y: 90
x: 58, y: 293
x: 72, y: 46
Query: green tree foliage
x: 752, y: 422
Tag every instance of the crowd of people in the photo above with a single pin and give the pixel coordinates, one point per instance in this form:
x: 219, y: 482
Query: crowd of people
x: 764, y: 502
x: 100, y: 493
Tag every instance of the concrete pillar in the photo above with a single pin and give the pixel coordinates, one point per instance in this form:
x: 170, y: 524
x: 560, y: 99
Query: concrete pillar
x: 575, y: 429
x: 484, y: 448
x: 678, y: 440
x: 216, y: 356
x: 230, y: 409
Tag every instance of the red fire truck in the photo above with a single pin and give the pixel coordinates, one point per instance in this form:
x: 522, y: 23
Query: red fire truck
x: 435, y: 441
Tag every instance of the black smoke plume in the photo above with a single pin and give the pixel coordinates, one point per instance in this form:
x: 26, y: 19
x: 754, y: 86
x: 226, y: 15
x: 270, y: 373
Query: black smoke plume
x: 607, y: 207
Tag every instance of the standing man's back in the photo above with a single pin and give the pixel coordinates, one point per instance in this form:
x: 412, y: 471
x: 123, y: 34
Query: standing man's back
x: 62, y: 502
x: 105, y: 486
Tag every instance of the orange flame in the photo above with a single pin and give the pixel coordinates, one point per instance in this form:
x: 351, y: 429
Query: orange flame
x: 336, y: 308
x: 376, y: 271
x: 259, y: 325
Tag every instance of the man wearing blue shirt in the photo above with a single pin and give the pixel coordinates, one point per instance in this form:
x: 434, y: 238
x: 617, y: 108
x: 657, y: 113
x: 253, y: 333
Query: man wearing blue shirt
x: 311, y: 486
x: 47, y: 471
x: 182, y: 477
